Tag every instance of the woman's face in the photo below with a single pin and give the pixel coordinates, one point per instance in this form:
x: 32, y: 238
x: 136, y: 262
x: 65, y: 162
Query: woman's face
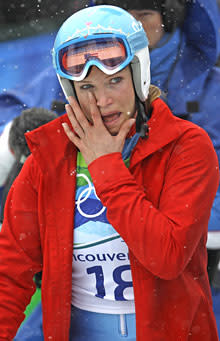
x: 152, y: 24
x: 115, y: 96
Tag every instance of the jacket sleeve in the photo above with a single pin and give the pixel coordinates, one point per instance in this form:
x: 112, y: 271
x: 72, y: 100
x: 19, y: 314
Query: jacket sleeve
x: 20, y: 254
x: 164, y: 237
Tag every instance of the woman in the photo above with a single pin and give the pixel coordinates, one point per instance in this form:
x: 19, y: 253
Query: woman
x: 116, y: 200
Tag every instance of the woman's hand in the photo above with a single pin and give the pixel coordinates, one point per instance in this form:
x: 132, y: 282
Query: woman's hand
x: 93, y: 139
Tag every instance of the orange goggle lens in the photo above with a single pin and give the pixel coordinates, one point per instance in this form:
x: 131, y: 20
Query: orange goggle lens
x: 110, y: 53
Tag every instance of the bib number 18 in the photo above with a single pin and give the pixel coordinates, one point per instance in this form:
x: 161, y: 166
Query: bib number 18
x: 117, y: 277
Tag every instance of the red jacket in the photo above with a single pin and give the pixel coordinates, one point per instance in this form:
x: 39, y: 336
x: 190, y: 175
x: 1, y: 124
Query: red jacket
x: 160, y: 206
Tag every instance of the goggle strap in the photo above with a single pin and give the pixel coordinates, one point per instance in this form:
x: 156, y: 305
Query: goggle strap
x: 137, y: 41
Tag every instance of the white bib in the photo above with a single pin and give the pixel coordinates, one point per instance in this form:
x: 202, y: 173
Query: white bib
x: 101, y: 278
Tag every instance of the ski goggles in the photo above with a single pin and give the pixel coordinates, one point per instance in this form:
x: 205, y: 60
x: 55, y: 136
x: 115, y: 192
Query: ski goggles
x: 109, y: 53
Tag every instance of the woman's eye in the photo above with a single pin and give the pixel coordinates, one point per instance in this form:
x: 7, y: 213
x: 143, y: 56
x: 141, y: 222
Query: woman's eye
x: 86, y: 86
x: 143, y: 15
x: 116, y: 80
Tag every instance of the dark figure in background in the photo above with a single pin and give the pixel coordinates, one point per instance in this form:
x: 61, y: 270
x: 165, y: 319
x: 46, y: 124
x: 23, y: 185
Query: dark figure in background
x: 29, y: 119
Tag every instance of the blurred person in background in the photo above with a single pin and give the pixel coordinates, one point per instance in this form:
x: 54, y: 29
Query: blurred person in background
x: 29, y: 119
x: 218, y: 62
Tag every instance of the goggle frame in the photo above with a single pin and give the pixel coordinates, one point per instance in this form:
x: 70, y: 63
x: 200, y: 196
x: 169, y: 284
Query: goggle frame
x: 93, y: 62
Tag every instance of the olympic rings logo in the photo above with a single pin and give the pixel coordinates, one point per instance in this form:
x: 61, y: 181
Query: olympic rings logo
x: 84, y: 195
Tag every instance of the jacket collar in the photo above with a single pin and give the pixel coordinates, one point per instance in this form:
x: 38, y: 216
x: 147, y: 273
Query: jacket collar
x: 164, y: 128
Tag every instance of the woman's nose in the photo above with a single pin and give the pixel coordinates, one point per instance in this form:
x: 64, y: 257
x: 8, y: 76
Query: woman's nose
x: 103, y: 98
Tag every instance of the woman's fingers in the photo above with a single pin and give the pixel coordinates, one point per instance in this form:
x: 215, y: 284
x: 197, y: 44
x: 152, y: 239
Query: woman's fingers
x: 94, y: 110
x: 74, y: 122
x: 78, y: 113
x: 70, y: 134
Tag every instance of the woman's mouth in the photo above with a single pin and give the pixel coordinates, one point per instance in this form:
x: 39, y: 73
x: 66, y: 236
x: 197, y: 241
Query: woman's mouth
x: 108, y: 119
